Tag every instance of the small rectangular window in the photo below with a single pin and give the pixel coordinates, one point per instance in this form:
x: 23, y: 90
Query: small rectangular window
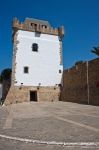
x: 26, y: 70
x: 60, y: 71
x: 35, y: 47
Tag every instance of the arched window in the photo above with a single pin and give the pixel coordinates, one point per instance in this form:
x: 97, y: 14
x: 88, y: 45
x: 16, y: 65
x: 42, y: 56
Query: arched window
x: 44, y: 26
x: 35, y: 47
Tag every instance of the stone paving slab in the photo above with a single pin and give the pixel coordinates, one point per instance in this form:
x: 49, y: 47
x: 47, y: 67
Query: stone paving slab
x: 15, y: 145
x: 49, y: 121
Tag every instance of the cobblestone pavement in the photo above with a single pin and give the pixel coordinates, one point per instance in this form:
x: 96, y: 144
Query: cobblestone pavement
x: 34, y: 126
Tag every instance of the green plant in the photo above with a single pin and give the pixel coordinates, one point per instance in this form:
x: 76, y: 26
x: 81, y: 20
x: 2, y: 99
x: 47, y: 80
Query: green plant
x: 95, y: 50
x: 5, y: 74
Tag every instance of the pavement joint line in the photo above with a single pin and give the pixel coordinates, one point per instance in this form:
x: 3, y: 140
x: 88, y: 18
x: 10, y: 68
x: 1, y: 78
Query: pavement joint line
x: 8, y: 122
x: 70, y: 144
x: 78, y: 124
x: 87, y: 115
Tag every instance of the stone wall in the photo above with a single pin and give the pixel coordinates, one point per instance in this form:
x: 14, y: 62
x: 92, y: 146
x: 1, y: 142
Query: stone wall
x: 29, y: 25
x: 81, y: 83
x: 22, y: 94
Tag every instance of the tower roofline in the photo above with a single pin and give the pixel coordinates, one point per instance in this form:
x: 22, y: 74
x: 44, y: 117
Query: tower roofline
x: 38, y: 21
x: 36, y: 25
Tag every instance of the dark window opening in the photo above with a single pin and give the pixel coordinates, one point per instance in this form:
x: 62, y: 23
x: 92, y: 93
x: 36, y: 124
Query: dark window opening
x: 35, y: 47
x: 44, y: 26
x: 60, y: 85
x: 26, y: 70
x: 32, y: 24
x: 35, y: 25
x: 60, y: 71
x: 33, y: 96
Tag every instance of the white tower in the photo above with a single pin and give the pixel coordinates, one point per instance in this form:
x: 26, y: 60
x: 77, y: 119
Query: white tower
x: 37, y: 61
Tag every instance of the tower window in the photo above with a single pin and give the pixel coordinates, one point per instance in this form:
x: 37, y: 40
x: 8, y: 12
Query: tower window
x: 26, y: 70
x: 35, y: 47
x: 60, y: 71
x: 32, y: 24
x: 44, y: 26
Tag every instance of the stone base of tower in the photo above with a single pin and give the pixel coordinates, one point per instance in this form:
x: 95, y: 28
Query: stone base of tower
x: 18, y: 94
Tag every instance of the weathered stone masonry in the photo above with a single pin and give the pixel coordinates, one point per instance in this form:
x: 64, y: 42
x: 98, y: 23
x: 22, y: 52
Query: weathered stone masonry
x: 21, y: 94
x: 78, y: 79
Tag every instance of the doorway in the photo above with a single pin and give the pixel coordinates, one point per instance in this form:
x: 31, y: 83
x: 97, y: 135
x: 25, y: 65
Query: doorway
x: 33, y: 96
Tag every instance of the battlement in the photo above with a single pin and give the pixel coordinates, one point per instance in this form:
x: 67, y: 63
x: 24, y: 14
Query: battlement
x: 35, y: 25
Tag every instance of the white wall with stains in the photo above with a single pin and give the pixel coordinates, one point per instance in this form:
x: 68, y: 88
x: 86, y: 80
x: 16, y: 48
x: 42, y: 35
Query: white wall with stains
x: 44, y: 65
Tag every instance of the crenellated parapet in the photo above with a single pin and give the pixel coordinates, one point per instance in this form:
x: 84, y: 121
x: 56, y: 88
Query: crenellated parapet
x: 35, y: 25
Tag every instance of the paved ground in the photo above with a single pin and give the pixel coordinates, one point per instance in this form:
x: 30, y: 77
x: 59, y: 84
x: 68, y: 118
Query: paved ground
x: 71, y: 126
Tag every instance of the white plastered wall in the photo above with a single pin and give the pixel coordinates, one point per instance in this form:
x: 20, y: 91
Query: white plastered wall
x: 44, y: 65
